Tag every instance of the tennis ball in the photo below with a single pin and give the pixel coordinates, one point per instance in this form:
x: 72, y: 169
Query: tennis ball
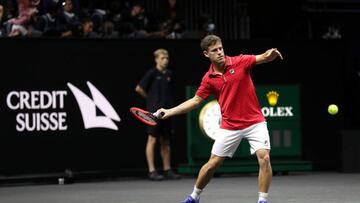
x: 333, y: 109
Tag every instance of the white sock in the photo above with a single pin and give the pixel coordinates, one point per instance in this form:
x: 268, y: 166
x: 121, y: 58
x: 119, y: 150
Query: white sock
x: 196, y: 193
x: 263, y: 196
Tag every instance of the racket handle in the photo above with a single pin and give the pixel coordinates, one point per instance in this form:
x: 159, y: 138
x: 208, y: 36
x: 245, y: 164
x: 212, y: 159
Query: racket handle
x: 159, y: 115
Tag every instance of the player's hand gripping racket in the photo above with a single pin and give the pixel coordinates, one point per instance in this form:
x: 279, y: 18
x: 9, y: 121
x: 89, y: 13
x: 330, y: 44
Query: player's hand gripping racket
x: 145, y: 116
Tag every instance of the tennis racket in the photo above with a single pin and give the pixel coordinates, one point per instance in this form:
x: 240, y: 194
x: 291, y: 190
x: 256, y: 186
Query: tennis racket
x: 146, y: 116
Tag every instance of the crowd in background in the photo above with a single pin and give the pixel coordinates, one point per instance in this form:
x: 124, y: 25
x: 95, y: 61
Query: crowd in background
x: 166, y: 19
x: 89, y: 19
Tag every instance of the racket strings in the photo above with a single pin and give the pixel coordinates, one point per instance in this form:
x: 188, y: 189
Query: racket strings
x: 145, y: 116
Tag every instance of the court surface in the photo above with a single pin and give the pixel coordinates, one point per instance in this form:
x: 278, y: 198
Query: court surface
x: 301, y: 187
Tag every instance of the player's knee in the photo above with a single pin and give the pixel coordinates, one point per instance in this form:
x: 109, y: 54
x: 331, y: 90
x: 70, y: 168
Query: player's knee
x: 211, y: 165
x: 264, y: 161
x: 267, y: 158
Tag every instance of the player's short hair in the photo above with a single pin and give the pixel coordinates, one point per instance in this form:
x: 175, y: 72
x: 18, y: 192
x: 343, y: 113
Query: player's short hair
x: 160, y: 51
x: 208, y: 41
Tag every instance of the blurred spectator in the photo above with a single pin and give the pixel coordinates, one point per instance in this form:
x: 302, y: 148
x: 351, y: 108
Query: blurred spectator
x: 68, y: 20
x: 174, y: 29
x: 27, y: 9
x: 109, y: 19
x: 171, y: 9
x: 177, y: 32
x: 31, y: 31
x: 137, y: 24
x: 10, y: 9
x: 134, y: 22
x: 114, y: 14
x: 48, y: 23
x: 87, y: 29
x: 84, y: 10
x: 1, y: 20
x: 99, y: 16
x: 172, y: 19
x: 25, y: 31
x: 109, y: 30
x: 205, y: 26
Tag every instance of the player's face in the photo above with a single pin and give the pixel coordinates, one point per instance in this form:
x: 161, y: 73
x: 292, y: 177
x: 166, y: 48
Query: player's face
x: 216, y: 53
x: 162, y: 61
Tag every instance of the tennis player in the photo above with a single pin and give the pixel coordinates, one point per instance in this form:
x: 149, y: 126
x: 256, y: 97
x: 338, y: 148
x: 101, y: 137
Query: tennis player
x: 230, y: 81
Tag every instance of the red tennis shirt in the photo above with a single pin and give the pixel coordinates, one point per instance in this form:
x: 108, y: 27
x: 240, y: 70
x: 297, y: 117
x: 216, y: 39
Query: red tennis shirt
x: 235, y: 92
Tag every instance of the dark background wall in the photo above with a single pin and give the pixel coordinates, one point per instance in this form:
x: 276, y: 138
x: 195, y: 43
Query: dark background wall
x: 327, y: 72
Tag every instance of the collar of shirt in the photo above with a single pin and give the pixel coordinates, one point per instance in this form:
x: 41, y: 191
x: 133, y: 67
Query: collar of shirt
x: 228, y: 62
x: 163, y: 71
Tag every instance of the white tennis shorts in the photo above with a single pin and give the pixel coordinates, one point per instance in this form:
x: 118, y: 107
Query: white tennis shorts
x: 227, y: 141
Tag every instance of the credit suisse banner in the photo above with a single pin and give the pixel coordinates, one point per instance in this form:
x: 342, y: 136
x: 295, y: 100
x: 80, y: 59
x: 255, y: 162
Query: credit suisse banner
x: 32, y: 110
x: 64, y: 104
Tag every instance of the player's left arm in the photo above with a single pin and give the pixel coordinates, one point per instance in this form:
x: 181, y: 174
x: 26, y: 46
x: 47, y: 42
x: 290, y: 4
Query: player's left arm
x: 268, y: 56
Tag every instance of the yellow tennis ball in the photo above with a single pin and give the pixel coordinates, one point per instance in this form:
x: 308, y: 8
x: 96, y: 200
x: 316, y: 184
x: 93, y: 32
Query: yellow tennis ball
x: 333, y: 109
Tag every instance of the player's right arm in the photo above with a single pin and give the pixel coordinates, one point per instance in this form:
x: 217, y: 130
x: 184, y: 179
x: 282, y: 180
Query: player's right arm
x: 182, y: 108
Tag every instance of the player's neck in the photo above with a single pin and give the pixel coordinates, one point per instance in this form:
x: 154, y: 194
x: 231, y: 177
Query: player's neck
x: 219, y: 68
